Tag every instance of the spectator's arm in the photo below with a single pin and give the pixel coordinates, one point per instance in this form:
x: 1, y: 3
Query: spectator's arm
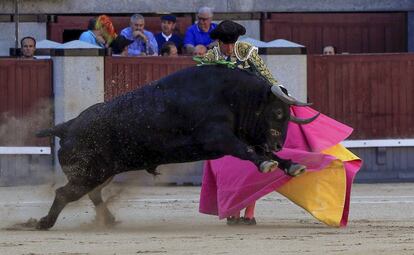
x: 86, y: 37
x: 189, y: 48
x: 152, y: 43
x: 133, y: 49
x: 189, y: 41
x: 133, y: 52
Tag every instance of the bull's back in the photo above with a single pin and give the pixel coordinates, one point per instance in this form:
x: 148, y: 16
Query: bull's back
x: 160, y: 118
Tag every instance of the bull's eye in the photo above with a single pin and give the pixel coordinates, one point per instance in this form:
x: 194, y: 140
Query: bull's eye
x: 279, y: 114
x: 274, y: 132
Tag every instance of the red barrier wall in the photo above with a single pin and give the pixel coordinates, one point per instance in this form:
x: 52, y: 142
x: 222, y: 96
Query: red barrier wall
x: 25, y: 101
x: 372, y: 93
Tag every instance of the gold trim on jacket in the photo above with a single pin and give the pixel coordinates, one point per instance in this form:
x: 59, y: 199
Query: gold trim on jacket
x: 246, y: 56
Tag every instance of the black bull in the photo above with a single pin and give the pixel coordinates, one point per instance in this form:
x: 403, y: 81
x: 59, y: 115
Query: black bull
x: 196, y: 114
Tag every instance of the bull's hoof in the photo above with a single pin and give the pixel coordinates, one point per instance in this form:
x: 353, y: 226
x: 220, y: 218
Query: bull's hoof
x: 104, y: 217
x: 248, y: 221
x: 268, y: 166
x: 107, y: 220
x: 44, y: 224
x: 231, y: 221
x: 295, y: 170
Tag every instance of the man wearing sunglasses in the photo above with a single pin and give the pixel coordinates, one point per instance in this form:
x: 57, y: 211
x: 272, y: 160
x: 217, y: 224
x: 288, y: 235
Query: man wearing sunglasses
x: 199, y: 33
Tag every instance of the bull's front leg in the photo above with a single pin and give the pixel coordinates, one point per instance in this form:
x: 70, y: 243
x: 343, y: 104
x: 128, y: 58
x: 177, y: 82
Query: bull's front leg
x: 224, y: 142
x: 289, y: 167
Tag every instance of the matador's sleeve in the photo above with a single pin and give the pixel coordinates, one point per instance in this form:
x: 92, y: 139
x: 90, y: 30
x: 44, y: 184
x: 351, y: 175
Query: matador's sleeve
x: 210, y: 56
x: 261, y: 67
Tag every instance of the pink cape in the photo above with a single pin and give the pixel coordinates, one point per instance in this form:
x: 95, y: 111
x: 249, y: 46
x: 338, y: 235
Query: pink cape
x: 230, y: 184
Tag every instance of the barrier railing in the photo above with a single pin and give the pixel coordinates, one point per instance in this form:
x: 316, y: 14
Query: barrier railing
x: 123, y: 74
x: 372, y: 93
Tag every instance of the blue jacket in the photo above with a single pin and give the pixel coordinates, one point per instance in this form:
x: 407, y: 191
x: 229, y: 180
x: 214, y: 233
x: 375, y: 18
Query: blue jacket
x: 195, y: 36
x: 138, y: 46
x: 176, y: 39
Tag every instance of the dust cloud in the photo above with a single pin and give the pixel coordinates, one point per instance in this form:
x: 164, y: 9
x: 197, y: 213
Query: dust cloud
x: 18, y: 128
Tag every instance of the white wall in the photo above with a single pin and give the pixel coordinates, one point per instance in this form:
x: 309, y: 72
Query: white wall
x: 291, y: 71
x: 7, y: 34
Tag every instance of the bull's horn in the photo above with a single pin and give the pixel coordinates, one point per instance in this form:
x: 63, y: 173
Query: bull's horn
x: 277, y: 91
x: 303, y: 121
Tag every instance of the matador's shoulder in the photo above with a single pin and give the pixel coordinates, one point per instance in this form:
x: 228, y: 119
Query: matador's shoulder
x: 244, y: 50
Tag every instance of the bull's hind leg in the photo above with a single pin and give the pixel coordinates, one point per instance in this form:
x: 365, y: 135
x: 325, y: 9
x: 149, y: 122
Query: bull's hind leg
x: 103, y: 215
x: 64, y: 195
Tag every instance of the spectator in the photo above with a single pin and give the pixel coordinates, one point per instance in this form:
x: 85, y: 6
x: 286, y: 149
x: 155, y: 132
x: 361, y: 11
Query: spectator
x: 200, y: 50
x: 28, y: 47
x: 120, y: 46
x: 329, y: 50
x: 93, y: 35
x: 167, y: 27
x: 105, y: 26
x: 199, y: 33
x: 169, y: 49
x: 144, y: 41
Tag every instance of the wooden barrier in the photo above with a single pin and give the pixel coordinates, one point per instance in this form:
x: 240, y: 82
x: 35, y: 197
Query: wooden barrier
x: 349, y: 32
x: 372, y: 93
x: 25, y: 105
x: 123, y: 74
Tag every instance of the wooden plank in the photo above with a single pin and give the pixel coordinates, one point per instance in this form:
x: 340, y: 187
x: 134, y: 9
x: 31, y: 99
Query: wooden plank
x: 371, y: 93
x: 28, y: 83
x: 349, y: 32
x: 131, y: 72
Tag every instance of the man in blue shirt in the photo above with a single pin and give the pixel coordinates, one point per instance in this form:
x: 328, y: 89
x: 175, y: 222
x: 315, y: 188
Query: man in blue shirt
x: 167, y: 35
x: 144, y: 41
x: 93, y: 35
x: 199, y: 33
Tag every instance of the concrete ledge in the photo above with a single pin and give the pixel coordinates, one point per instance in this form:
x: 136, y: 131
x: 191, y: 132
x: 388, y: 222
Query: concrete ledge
x: 282, y: 51
x: 78, y: 52
x: 379, y: 143
x: 39, y: 52
x: 25, y: 150
x: 63, y: 52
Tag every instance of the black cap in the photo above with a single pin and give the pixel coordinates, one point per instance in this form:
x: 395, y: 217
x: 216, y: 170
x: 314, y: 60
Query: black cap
x: 169, y: 18
x: 119, y: 44
x: 228, y: 31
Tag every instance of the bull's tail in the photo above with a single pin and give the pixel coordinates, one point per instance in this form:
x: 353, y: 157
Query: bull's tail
x: 58, y: 130
x: 46, y: 132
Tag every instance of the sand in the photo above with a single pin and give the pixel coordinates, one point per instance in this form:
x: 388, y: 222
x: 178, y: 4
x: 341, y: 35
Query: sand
x: 165, y: 220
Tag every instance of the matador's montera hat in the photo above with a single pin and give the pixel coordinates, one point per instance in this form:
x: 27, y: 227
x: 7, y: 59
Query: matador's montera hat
x: 228, y: 31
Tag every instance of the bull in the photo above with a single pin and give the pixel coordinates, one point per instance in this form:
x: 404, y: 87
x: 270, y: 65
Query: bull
x: 195, y: 114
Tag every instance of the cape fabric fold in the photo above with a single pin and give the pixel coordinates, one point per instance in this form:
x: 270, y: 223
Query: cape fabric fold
x: 231, y: 184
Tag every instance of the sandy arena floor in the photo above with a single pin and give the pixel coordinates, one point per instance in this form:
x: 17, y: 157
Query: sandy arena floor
x: 165, y: 220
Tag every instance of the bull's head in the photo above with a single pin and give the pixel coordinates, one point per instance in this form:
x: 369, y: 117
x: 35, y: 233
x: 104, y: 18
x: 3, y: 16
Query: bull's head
x: 275, y: 119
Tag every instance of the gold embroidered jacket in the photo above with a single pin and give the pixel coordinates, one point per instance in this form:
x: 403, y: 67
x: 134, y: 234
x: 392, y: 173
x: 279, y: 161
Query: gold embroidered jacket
x: 245, y: 56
